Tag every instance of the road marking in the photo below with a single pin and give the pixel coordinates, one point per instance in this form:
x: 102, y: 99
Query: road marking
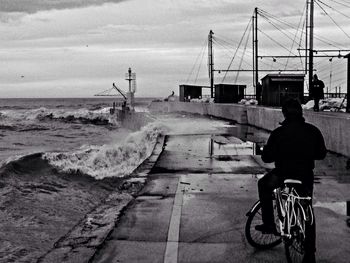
x: 172, y: 246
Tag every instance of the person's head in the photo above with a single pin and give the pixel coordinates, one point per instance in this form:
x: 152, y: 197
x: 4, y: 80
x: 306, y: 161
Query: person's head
x: 292, y: 109
x: 315, y: 77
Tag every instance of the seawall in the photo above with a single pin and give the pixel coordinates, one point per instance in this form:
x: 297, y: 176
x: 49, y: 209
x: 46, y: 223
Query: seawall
x: 335, y: 127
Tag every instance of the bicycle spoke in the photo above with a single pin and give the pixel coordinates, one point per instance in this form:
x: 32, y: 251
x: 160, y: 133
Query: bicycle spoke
x: 257, y: 238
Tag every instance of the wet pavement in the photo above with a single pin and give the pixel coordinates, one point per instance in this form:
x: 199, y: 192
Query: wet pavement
x: 193, y: 206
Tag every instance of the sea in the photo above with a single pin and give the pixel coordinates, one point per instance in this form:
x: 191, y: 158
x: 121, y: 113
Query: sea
x: 61, y: 158
x: 73, y: 134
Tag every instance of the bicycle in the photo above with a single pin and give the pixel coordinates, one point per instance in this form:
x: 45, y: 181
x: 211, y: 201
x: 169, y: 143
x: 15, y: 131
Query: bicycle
x: 292, y: 212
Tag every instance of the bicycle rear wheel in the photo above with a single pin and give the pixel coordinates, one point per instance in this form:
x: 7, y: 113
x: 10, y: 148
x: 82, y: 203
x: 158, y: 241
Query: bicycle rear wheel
x: 256, y: 238
x: 295, y: 245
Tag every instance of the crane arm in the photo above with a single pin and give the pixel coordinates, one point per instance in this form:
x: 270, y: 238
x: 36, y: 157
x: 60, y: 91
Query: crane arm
x: 121, y: 93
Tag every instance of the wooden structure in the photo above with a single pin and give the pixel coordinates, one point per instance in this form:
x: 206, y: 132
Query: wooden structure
x: 188, y: 92
x: 229, y: 93
x: 278, y: 87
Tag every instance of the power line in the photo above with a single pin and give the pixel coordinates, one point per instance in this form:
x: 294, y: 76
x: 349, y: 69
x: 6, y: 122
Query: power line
x: 245, y: 47
x: 200, y: 64
x: 296, y: 33
x: 333, y: 9
x: 218, y: 41
x: 322, y: 39
x: 225, y: 40
x: 226, y: 50
x: 196, y: 61
x: 340, y: 3
x: 332, y: 19
x: 275, y: 26
x: 275, y: 41
x: 240, y: 42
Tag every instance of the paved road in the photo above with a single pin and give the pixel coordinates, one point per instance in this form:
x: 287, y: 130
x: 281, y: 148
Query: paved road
x: 193, y: 207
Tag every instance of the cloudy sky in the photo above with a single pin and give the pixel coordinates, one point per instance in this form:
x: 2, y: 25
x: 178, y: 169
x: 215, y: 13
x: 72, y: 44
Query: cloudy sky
x: 76, y: 48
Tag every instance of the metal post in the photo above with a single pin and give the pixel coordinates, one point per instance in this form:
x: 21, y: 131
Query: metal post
x: 256, y: 47
x: 330, y: 75
x: 253, y: 42
x: 306, y: 34
x: 311, y: 44
x: 348, y: 84
x: 211, y: 62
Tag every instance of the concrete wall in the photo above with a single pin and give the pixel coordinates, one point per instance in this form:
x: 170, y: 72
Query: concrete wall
x: 335, y: 127
x: 263, y: 117
x: 228, y: 111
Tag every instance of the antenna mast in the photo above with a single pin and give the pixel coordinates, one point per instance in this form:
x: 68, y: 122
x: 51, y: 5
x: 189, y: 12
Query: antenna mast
x: 256, y: 49
x: 311, y: 43
x: 211, y: 62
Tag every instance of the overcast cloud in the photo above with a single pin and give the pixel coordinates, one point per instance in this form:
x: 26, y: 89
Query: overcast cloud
x: 78, y: 48
x: 33, y: 6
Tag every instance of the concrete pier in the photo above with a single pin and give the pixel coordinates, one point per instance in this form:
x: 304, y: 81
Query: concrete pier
x: 190, y: 203
x: 335, y: 126
x: 193, y: 206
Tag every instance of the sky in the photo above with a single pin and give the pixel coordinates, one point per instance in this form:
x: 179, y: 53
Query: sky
x: 77, y: 48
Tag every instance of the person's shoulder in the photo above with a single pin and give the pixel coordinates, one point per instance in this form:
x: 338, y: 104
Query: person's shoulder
x: 312, y: 127
x: 277, y: 130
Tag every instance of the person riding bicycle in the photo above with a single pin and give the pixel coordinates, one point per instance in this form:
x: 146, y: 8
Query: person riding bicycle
x: 294, y: 147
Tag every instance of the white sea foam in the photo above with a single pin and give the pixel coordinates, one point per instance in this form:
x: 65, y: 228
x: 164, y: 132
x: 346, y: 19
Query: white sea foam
x: 112, y: 160
x: 41, y: 113
x: 25, y: 115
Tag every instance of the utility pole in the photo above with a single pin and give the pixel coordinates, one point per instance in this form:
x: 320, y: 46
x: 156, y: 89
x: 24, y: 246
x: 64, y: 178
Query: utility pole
x: 348, y: 85
x: 253, y: 42
x: 211, y: 62
x: 330, y: 74
x: 256, y: 49
x: 311, y: 44
x: 306, y: 34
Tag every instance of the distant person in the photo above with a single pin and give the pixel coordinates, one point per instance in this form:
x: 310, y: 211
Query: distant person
x: 258, y: 92
x: 293, y: 147
x: 316, y: 91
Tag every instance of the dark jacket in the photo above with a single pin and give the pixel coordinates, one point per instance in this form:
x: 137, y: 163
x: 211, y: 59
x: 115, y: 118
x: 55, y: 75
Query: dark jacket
x: 294, y: 146
x: 317, y: 89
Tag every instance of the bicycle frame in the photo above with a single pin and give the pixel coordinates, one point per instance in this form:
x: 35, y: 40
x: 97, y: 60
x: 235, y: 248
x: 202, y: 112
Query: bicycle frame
x: 288, y: 217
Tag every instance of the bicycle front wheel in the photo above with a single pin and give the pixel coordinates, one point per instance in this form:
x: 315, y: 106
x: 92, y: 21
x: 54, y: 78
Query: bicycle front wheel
x: 256, y: 238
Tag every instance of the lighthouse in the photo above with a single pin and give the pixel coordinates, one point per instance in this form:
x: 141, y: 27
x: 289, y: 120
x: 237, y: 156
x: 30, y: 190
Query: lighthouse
x: 131, y: 78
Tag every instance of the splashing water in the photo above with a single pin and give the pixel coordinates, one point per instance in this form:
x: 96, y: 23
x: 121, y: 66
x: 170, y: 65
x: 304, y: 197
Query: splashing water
x: 112, y: 160
x: 43, y: 113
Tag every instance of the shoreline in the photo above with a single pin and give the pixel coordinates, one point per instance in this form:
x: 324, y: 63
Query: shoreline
x: 44, y: 210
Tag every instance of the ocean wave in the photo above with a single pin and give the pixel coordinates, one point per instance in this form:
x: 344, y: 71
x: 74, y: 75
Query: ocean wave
x: 112, y: 160
x: 100, y: 116
x: 12, y: 159
x: 7, y: 127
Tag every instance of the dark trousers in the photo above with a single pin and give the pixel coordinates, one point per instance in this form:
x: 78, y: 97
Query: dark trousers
x: 316, y: 104
x: 266, y: 185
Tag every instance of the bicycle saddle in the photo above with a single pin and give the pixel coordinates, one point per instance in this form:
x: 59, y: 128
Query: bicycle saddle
x: 292, y: 181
